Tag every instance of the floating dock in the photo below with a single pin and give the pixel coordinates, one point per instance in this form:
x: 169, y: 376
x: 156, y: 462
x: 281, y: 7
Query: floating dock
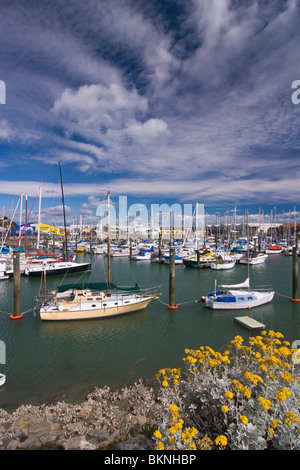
x: 250, y: 323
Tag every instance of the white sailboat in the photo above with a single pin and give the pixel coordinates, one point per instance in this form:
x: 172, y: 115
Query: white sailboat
x: 86, y: 302
x: 237, y: 297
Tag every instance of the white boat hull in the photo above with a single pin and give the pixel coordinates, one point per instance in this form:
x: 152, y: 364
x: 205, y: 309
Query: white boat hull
x: 255, y: 260
x: 142, y: 258
x: 2, y: 379
x: 223, y: 265
x: 57, y: 268
x: 251, y: 299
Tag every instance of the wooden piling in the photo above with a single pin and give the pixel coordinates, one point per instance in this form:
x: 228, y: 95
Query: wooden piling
x: 172, y: 280
x: 295, y: 273
x: 159, y: 248
x: 17, y: 281
x: 198, y: 258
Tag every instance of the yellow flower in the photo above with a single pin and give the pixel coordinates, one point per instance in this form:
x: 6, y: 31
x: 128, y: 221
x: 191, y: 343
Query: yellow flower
x: 253, y: 378
x: 274, y: 423
x: 225, y: 409
x: 264, y: 403
x: 173, y: 407
x: 228, y: 395
x: 160, y: 446
x: 284, y: 351
x: 291, y: 418
x: 283, y: 394
x: 165, y: 383
x: 221, y: 440
x: 172, y: 430
x: 157, y: 434
x: 178, y: 426
x: 287, y: 376
x: 244, y: 419
x: 272, y: 377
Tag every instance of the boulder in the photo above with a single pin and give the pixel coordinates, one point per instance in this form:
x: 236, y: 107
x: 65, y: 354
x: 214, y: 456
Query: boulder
x: 139, y: 442
x: 78, y: 443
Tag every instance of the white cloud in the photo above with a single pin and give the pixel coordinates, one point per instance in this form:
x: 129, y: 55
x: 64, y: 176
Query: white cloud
x: 6, y: 131
x: 147, y: 132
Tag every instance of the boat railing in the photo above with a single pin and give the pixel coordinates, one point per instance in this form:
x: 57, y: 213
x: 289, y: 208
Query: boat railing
x: 154, y: 290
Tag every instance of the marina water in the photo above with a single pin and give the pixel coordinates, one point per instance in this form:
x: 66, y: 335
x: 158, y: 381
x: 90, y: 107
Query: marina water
x: 49, y: 361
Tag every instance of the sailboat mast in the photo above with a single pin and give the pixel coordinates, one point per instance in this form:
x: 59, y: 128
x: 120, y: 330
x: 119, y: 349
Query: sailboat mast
x: 39, y: 221
x: 64, y: 213
x: 248, y: 241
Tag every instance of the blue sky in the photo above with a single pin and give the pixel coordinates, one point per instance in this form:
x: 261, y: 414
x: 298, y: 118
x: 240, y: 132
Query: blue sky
x: 162, y: 101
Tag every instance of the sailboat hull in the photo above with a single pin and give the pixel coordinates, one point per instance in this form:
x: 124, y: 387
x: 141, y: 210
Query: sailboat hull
x: 81, y: 312
x: 238, y: 300
x: 58, y: 268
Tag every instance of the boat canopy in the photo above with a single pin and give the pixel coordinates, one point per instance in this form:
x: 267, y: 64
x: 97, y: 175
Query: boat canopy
x: 96, y: 286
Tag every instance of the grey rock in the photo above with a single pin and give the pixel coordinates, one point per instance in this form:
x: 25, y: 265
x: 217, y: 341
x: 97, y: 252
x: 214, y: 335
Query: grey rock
x: 37, y: 440
x: 78, y: 443
x: 139, y: 442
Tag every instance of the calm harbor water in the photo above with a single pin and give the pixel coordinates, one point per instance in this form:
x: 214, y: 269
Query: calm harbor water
x: 46, y: 361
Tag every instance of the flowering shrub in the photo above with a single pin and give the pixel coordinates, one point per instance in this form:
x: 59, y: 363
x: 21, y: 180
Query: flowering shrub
x: 246, y: 398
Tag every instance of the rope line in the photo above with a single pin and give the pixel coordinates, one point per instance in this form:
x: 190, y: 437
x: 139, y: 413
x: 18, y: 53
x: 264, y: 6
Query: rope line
x: 283, y: 295
x: 181, y: 303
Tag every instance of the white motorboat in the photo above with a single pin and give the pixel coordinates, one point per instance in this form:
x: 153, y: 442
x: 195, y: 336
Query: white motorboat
x: 223, y: 262
x: 55, y: 267
x: 254, y: 258
x: 274, y: 249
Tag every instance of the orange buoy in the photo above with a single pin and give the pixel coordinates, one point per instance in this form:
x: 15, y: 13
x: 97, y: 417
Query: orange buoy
x: 16, y: 317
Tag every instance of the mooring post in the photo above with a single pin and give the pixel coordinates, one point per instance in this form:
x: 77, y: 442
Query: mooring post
x: 295, y: 273
x: 198, y: 258
x: 17, y: 278
x: 159, y: 248
x: 172, y: 280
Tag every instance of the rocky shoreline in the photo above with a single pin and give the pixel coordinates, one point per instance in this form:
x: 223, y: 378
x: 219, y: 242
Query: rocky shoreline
x: 105, y: 420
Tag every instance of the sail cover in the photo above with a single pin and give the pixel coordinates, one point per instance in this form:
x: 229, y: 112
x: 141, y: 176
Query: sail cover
x: 244, y: 284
